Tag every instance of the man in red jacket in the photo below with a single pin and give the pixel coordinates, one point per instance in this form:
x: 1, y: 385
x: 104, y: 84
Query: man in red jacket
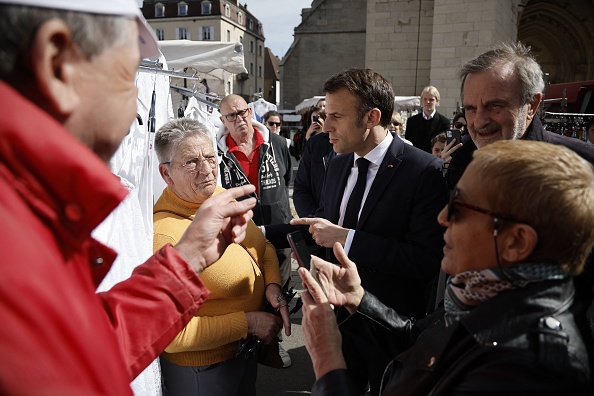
x: 68, y: 98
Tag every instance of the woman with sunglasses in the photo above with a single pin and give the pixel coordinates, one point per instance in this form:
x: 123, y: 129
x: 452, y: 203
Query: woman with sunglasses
x: 519, y: 226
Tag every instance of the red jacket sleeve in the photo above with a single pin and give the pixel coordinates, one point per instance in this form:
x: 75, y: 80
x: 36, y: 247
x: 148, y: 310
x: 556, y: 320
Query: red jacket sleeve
x: 148, y: 309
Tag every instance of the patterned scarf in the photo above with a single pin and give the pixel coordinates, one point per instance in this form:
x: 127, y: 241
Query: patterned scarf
x: 469, y: 289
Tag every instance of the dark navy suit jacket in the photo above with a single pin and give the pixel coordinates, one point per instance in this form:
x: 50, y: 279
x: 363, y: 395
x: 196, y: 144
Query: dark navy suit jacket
x: 398, y: 242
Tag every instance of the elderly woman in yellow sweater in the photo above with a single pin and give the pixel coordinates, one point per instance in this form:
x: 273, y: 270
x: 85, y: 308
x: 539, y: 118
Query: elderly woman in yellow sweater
x: 203, y: 359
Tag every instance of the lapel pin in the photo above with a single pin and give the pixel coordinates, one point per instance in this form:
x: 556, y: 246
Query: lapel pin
x: 390, y: 166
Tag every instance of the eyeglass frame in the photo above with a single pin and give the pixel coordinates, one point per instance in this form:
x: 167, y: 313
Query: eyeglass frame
x: 272, y: 123
x: 212, y: 164
x: 459, y: 125
x: 453, y: 201
x: 240, y: 113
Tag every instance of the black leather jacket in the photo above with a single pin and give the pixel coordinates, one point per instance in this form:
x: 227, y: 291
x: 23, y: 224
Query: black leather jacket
x: 521, y: 342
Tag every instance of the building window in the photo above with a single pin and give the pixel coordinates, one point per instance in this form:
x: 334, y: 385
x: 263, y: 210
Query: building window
x: 260, y: 51
x: 182, y: 9
x: 160, y: 33
x: 241, y: 39
x: 251, y: 47
x: 182, y: 33
x: 227, y: 10
x: 251, y: 68
x: 228, y: 36
x: 259, y: 71
x: 207, y: 33
x: 159, y: 10
x: 206, y: 7
x: 251, y: 24
x: 240, y: 18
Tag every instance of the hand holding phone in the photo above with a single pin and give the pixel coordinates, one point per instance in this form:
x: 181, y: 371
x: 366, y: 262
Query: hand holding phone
x: 452, y: 134
x: 301, y: 253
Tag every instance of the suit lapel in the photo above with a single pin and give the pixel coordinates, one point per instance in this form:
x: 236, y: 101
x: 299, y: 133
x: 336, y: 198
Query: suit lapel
x: 386, y: 171
x: 336, y: 179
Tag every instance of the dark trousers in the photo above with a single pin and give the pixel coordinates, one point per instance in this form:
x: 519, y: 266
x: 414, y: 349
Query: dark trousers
x: 233, y: 377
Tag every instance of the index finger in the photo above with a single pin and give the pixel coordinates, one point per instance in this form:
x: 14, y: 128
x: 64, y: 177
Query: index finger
x: 235, y: 192
x: 304, y: 221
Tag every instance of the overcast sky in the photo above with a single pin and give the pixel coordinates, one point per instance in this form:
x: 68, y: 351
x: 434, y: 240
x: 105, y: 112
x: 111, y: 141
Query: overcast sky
x: 279, y: 18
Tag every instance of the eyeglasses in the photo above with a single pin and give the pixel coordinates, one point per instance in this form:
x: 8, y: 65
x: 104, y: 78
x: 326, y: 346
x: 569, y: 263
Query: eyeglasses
x: 395, y: 123
x: 193, y: 165
x: 454, y: 202
x: 231, y: 117
x: 271, y: 123
x: 459, y: 125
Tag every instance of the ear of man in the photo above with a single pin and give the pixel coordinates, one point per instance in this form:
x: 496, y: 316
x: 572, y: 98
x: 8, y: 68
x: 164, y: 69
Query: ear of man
x: 54, y: 63
x: 517, y: 242
x: 373, y: 118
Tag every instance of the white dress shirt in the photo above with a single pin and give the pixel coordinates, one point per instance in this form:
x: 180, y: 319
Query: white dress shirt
x: 375, y: 158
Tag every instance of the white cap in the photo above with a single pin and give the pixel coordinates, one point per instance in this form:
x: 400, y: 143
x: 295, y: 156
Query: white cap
x: 147, y: 38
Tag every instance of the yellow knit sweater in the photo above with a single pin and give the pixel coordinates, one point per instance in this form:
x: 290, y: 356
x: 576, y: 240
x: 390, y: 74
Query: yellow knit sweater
x: 237, y: 284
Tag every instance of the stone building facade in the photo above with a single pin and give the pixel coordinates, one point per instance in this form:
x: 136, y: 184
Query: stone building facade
x: 415, y: 43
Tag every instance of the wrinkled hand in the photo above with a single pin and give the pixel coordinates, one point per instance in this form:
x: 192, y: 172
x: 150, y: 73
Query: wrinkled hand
x: 263, y: 325
x: 449, y: 149
x: 320, y: 331
x: 219, y: 222
x: 323, y: 232
x: 342, y: 284
x: 274, y: 295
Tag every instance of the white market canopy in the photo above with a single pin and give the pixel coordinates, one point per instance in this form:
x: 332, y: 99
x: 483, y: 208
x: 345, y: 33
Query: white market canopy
x: 302, y: 107
x: 410, y: 101
x: 213, y: 59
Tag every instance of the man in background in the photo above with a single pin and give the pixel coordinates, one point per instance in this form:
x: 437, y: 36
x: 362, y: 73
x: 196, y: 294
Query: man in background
x: 422, y: 127
x: 251, y: 154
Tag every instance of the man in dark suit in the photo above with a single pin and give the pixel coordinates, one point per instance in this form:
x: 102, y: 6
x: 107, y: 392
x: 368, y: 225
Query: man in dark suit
x: 421, y: 128
x: 395, y: 237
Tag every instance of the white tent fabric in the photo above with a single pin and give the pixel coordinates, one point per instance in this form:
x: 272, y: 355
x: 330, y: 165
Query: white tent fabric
x: 214, y: 58
x: 410, y: 101
x: 302, y: 107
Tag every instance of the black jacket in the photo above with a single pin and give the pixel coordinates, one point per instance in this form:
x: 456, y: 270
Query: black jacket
x: 309, y: 181
x: 274, y: 175
x: 521, y: 342
x: 420, y: 136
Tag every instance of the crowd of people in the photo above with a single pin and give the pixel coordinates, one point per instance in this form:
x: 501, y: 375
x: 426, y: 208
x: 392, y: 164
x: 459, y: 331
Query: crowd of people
x: 441, y: 267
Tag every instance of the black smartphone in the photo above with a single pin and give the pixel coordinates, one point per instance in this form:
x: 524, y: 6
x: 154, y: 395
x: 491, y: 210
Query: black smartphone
x: 302, y: 254
x: 299, y: 248
x: 315, y: 118
x: 452, y: 134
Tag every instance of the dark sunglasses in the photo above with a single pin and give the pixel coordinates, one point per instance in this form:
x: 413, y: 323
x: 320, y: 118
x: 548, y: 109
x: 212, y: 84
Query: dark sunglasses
x: 453, y: 209
x: 271, y: 123
x: 459, y: 125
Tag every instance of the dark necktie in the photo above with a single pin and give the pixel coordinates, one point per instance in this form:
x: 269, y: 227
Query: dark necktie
x: 354, y: 205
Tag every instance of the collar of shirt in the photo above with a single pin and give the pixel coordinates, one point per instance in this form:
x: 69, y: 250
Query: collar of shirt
x: 429, y: 117
x: 376, y: 155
